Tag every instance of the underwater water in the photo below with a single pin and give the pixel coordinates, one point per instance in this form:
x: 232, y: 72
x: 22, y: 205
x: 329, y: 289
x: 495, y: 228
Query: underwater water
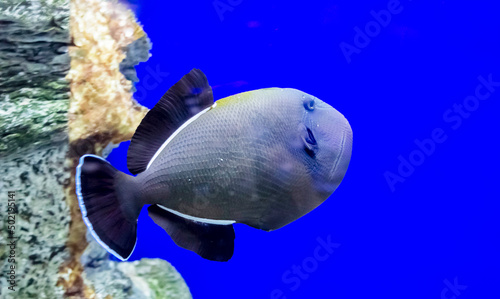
x: 416, y: 215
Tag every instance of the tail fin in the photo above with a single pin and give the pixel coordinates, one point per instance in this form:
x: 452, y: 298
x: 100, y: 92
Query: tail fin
x: 107, y: 204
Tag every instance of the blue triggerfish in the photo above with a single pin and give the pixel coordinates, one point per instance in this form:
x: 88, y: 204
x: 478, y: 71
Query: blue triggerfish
x: 263, y: 158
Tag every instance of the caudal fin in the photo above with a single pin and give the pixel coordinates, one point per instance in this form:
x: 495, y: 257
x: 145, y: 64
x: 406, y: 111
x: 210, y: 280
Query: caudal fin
x: 107, y: 204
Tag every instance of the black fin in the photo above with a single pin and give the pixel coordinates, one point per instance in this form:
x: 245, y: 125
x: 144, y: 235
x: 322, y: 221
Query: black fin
x: 182, y: 101
x: 107, y: 205
x: 210, y: 241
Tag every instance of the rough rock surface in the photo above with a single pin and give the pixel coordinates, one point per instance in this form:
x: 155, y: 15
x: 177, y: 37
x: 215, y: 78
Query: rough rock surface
x: 146, y: 278
x: 135, y: 53
x: 34, y: 59
x: 41, y: 223
x: 49, y: 89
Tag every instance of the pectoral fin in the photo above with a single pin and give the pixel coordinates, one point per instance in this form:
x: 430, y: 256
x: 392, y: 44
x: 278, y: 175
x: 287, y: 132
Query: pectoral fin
x: 210, y: 241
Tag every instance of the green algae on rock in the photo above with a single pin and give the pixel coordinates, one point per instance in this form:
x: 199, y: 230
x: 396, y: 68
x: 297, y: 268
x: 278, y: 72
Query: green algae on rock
x: 34, y: 38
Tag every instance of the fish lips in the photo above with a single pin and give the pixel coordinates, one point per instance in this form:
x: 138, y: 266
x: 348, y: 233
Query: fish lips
x: 326, y: 185
x: 341, y: 163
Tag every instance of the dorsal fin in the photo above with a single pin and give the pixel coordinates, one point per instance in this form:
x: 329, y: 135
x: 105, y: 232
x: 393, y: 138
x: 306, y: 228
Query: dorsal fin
x: 182, y: 101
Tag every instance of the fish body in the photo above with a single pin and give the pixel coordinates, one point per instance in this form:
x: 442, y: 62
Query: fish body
x: 263, y: 158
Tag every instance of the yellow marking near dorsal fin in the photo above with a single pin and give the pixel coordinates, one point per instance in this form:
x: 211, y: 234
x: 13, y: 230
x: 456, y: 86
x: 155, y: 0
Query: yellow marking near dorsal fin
x: 240, y: 97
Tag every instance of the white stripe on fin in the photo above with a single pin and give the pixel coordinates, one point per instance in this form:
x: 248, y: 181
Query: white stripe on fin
x: 178, y: 130
x: 204, y: 220
x: 84, y: 209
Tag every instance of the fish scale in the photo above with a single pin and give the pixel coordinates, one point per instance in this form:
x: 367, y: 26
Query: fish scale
x: 203, y: 131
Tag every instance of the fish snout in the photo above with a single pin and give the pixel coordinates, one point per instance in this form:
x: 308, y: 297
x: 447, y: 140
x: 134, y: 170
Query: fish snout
x: 341, y: 163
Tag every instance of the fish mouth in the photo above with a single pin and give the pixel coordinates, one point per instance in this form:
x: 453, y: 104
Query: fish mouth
x: 341, y: 153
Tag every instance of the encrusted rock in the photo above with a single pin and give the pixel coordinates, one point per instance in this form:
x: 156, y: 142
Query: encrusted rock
x: 66, y: 91
x: 34, y: 37
x: 38, y: 179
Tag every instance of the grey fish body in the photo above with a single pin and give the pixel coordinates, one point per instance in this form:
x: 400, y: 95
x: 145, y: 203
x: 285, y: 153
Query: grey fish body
x: 263, y: 158
x: 242, y: 160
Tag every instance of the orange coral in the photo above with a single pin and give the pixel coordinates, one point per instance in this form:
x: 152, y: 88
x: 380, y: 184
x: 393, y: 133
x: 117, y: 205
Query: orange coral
x: 102, y: 109
x: 101, y: 98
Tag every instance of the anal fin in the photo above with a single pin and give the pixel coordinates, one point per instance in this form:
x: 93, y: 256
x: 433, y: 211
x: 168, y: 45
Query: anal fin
x: 210, y: 241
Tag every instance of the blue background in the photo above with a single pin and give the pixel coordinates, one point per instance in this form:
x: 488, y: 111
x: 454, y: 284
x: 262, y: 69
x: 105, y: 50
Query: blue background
x: 440, y: 224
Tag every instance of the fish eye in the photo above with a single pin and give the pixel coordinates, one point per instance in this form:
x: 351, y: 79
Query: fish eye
x: 309, y: 104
